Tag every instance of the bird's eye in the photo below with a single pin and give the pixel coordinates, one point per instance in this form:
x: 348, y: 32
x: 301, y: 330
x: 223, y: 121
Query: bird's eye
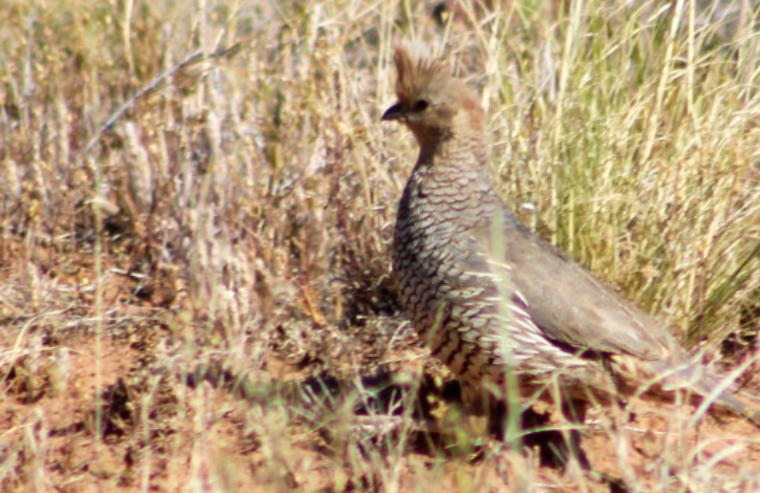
x: 421, y: 105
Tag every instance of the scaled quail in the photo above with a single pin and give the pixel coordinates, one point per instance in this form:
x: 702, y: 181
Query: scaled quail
x: 486, y: 295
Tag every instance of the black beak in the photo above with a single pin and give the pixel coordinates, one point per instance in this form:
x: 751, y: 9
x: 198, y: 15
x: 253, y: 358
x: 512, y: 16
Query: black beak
x: 395, y: 112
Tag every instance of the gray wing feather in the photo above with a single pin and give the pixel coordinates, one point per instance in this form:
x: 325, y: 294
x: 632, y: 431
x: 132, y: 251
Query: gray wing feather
x: 567, y: 302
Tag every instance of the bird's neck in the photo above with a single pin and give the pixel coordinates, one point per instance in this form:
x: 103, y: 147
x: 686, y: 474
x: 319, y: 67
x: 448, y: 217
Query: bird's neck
x: 453, y: 175
x: 455, y: 158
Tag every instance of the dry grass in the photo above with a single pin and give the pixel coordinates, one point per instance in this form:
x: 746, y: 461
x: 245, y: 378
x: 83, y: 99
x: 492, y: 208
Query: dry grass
x: 237, y: 209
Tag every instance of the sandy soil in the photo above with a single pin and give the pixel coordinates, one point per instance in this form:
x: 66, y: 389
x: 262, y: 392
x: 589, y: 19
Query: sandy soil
x: 162, y: 435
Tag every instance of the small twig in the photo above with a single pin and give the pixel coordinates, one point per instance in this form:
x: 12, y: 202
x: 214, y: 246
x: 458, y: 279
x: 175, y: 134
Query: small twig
x: 154, y: 85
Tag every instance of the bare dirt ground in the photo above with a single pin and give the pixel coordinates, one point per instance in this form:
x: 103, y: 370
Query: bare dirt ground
x: 165, y: 432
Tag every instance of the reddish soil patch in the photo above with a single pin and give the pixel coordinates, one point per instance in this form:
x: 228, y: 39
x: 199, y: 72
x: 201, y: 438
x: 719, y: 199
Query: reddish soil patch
x: 210, y: 440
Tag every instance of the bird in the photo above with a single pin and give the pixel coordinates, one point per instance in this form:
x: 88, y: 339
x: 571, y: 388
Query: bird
x: 490, y: 298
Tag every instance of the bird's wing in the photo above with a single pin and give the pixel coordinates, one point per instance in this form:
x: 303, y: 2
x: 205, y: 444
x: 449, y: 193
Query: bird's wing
x: 565, y: 301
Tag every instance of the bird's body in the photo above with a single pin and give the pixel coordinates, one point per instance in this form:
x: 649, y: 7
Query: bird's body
x: 484, y: 293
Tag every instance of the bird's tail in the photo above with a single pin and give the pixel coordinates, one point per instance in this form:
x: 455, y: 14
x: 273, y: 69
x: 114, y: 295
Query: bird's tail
x: 712, y: 389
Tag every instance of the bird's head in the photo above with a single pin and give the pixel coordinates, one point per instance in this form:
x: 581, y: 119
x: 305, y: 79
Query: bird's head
x: 431, y: 102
